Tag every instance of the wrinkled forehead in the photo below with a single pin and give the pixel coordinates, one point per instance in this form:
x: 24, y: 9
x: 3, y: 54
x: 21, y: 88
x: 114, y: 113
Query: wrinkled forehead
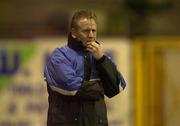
x: 86, y: 22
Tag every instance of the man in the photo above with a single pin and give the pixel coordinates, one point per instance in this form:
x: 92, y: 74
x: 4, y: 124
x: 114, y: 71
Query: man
x: 78, y: 76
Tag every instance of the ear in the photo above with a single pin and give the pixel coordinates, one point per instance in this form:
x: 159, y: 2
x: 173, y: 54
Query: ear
x: 74, y: 33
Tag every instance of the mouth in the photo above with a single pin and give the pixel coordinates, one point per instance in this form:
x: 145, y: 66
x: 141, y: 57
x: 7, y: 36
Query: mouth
x: 91, y: 40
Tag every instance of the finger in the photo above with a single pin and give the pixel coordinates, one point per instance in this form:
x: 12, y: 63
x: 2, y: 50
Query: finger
x: 94, y: 45
x: 89, y: 49
x: 92, y: 48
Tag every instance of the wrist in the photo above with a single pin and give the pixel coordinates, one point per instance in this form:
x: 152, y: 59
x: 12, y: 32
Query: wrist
x: 99, y: 57
x: 100, y: 60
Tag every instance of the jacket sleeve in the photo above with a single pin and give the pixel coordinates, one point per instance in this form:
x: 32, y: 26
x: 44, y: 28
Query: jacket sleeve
x: 63, y: 79
x: 111, y: 78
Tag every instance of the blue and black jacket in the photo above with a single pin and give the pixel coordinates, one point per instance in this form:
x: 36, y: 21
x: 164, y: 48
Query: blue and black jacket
x: 65, y: 71
x: 71, y: 73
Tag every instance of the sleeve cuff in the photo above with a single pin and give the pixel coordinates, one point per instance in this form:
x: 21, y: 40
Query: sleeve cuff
x: 101, y: 59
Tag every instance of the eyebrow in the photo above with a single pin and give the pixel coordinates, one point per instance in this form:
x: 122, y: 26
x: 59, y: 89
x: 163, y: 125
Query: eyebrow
x: 89, y: 29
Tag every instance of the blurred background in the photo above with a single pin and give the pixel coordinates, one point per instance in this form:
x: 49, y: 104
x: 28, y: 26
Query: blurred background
x: 142, y: 36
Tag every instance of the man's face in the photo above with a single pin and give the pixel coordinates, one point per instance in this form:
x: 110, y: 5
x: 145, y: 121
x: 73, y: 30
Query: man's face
x: 86, y: 31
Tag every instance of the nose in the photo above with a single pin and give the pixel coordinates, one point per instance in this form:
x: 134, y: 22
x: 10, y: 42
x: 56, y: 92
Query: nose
x: 91, y: 34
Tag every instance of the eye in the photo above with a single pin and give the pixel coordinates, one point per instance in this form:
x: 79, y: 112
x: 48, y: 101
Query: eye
x: 85, y: 31
x: 93, y: 30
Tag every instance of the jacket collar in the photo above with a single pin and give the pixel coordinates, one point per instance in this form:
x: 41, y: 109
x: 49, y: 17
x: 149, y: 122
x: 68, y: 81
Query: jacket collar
x: 75, y: 43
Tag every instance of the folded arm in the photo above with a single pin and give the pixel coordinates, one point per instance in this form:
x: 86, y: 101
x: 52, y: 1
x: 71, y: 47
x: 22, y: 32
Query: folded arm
x: 111, y: 78
x: 63, y: 79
